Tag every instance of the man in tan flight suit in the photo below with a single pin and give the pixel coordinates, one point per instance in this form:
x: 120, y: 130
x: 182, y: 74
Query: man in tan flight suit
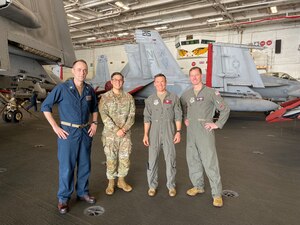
x: 199, y: 104
x: 161, y: 114
x: 117, y: 110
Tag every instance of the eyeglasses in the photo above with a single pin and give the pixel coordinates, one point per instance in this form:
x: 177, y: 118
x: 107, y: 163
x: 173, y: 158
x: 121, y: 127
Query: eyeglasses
x: 117, y: 80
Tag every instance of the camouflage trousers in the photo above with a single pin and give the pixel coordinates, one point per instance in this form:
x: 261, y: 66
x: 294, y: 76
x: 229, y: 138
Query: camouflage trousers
x: 117, y: 151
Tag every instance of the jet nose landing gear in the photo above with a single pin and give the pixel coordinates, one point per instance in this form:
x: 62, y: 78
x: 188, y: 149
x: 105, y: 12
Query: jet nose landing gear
x: 12, y: 116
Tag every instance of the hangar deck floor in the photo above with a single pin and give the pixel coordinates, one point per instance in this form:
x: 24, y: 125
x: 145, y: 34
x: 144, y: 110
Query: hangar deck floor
x: 259, y: 161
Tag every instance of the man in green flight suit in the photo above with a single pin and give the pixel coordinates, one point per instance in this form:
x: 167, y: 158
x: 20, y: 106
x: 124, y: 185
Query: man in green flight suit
x: 161, y: 114
x: 199, y: 104
x: 117, y: 110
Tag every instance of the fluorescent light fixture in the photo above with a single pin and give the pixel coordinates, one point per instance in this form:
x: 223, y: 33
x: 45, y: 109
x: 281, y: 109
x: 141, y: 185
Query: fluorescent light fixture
x: 75, y: 17
x: 273, y: 9
x: 161, y: 28
x: 123, y: 34
x: 125, y: 7
x: 217, y: 19
x: 91, y: 38
x: 122, y: 5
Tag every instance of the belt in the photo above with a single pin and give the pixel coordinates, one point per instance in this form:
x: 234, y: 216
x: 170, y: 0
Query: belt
x: 205, y: 120
x: 74, y: 125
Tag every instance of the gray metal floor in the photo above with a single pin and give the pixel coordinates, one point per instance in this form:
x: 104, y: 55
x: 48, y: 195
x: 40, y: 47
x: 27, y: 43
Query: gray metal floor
x: 259, y: 161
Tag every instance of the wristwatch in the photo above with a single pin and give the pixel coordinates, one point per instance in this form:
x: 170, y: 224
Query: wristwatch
x: 95, y: 122
x: 178, y: 131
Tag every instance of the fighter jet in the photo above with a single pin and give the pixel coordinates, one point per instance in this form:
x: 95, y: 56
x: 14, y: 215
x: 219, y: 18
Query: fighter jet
x: 231, y: 71
x: 33, y: 33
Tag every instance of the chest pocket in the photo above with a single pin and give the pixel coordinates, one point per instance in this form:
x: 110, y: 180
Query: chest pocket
x: 123, y: 107
x: 112, y: 105
x: 200, y: 99
x: 156, y: 109
x: 169, y: 110
x: 88, y: 100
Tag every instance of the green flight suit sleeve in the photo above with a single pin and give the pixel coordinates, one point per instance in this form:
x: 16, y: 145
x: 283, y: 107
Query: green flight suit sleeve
x: 130, y: 119
x: 177, y: 109
x: 222, y: 107
x: 184, y: 106
x: 104, y: 113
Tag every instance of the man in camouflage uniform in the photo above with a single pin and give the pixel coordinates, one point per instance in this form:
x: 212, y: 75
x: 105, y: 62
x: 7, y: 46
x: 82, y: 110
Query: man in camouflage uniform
x: 117, y: 110
x: 199, y: 104
x: 162, y: 112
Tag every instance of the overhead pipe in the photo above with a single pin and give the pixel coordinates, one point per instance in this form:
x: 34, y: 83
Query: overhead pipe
x: 266, y: 19
x: 70, y: 5
x: 180, y: 30
x: 150, y: 15
x: 144, y: 26
x: 89, y: 5
x: 155, y: 3
x: 276, y: 2
x: 175, y: 28
x: 219, y: 27
x: 117, y: 13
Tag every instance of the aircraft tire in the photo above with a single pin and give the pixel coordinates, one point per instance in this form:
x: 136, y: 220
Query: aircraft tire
x: 7, y: 116
x: 17, y: 116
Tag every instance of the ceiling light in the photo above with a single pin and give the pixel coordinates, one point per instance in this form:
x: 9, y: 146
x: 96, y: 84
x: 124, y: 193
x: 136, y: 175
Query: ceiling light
x: 91, y: 38
x: 122, y: 5
x: 75, y: 17
x: 126, y: 7
x: 123, y: 34
x: 215, y: 19
x: 161, y: 28
x: 273, y: 9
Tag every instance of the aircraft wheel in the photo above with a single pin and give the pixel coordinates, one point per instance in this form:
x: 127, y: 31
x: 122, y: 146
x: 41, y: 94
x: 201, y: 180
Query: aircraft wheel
x: 17, y: 116
x: 7, y: 116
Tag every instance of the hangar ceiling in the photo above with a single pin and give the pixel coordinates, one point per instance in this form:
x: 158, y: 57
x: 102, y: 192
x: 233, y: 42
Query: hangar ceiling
x: 96, y: 23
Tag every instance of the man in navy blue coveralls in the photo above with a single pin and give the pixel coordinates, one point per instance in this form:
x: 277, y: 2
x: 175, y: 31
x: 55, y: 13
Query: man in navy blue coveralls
x: 76, y: 101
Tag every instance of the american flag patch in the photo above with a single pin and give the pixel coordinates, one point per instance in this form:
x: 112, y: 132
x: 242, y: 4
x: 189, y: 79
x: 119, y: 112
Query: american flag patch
x: 167, y: 101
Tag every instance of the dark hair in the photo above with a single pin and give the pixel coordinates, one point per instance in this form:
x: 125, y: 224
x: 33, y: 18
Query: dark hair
x: 196, y: 68
x: 160, y: 75
x: 116, y: 73
x: 80, y: 60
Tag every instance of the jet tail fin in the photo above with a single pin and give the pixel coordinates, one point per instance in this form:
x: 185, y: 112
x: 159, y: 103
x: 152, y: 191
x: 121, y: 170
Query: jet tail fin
x: 159, y: 57
x: 233, y: 66
x: 102, y: 73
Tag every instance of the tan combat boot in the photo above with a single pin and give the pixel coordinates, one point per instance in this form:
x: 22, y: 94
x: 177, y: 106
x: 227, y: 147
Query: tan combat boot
x: 194, y: 191
x: 151, y: 192
x: 218, y: 202
x: 123, y: 185
x: 172, y: 192
x: 110, y: 187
